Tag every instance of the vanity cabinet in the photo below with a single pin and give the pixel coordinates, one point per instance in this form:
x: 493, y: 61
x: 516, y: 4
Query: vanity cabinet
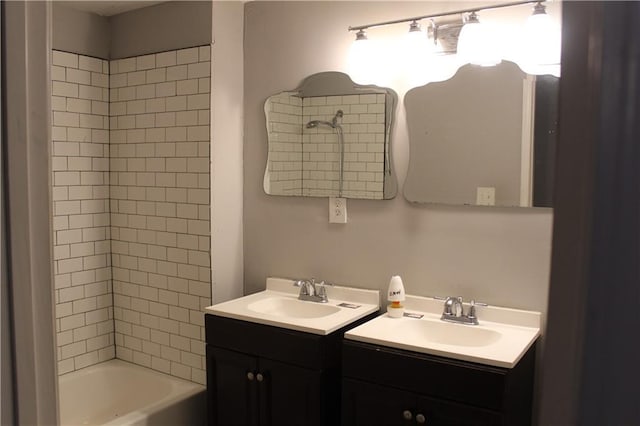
x: 264, y: 375
x: 386, y: 386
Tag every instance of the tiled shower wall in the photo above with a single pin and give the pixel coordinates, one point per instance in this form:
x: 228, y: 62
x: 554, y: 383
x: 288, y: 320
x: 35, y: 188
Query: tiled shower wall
x: 131, y: 199
x: 285, y: 144
x: 363, y: 125
x: 306, y: 161
x: 80, y: 163
x: 160, y: 209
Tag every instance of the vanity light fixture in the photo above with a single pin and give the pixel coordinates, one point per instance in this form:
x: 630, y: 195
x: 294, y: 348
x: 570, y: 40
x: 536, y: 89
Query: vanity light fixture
x: 476, y: 43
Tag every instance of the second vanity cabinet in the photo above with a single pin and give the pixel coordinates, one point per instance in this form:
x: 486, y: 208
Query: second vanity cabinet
x: 264, y: 375
x: 387, y: 386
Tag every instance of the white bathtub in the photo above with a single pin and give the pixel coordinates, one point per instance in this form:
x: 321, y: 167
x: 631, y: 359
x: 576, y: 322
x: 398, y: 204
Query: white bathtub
x: 119, y: 393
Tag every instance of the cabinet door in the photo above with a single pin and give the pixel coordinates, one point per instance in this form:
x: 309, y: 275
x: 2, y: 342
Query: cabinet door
x: 368, y: 404
x: 436, y: 412
x: 232, y: 389
x: 289, y: 395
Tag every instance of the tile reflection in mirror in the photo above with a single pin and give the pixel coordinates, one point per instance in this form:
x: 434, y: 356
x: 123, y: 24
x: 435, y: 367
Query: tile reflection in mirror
x: 330, y: 137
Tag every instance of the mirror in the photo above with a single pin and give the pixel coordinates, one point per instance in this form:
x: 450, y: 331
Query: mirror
x: 485, y: 137
x: 330, y: 137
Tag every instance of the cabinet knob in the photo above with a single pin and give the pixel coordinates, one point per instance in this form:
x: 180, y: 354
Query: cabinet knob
x: 420, y: 419
x: 406, y: 414
x: 250, y: 376
x: 259, y: 377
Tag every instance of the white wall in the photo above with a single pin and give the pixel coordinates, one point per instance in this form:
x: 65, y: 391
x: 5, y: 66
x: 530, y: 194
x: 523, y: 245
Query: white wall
x: 226, y: 151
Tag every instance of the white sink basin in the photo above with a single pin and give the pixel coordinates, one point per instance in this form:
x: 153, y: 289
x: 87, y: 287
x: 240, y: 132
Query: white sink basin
x: 501, y: 339
x: 446, y: 333
x: 294, y: 308
x: 279, y: 306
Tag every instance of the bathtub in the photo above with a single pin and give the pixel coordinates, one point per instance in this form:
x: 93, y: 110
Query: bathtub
x: 119, y: 393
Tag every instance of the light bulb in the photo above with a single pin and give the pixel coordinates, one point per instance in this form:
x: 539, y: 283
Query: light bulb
x: 477, y: 44
x: 417, y: 52
x: 541, y: 44
x: 361, y: 59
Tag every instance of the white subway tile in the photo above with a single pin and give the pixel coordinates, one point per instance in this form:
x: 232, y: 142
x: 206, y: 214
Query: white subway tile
x: 70, y: 294
x: 145, y: 62
x: 58, y: 73
x: 191, y: 359
x: 136, y: 78
x: 64, y: 59
x: 125, y: 65
x: 78, y: 76
x: 177, y: 73
x: 198, y: 165
x: 176, y: 134
x: 73, y: 349
x: 205, y: 53
x: 199, y: 70
x: 187, y: 87
x: 67, y: 119
x: 187, y: 56
x: 166, y: 59
x: 204, y: 85
x: 91, y: 92
x: 146, y: 91
x: 155, y: 105
x: 144, y: 121
x: 166, y: 89
x: 204, y: 116
x: 165, y: 119
x: 186, y: 118
x: 157, y: 75
x: 90, y: 64
x: 117, y: 80
x: 156, y: 134
x: 198, y: 101
x: 198, y: 133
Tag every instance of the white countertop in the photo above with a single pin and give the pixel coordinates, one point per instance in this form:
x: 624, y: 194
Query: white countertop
x: 501, y: 339
x: 282, y: 291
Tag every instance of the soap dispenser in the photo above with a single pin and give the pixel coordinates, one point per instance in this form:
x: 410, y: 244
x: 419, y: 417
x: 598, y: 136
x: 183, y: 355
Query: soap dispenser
x: 395, y: 295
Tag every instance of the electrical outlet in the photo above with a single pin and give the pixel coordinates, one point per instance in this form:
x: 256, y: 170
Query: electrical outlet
x: 337, y: 210
x: 486, y: 196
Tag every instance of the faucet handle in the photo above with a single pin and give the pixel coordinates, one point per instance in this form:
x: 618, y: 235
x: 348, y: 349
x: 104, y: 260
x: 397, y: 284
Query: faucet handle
x: 322, y: 290
x: 472, y: 307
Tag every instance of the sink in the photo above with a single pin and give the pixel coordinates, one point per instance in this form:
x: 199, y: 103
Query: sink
x: 446, y: 333
x: 500, y: 340
x: 278, y: 306
x: 294, y: 308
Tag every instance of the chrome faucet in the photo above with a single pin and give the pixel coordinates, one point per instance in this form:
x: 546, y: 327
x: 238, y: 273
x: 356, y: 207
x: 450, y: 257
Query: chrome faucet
x: 312, y: 291
x: 454, y: 311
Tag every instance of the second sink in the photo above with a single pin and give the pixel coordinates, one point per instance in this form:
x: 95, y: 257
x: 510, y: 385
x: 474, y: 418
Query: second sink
x: 450, y: 334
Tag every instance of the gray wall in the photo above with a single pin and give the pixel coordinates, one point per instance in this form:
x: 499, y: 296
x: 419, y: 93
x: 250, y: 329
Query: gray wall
x: 167, y: 26
x: 80, y: 32
x: 500, y: 256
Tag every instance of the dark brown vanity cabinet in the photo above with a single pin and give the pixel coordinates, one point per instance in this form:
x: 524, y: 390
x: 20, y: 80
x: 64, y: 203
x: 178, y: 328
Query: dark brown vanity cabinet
x: 264, y: 375
x: 385, y: 386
